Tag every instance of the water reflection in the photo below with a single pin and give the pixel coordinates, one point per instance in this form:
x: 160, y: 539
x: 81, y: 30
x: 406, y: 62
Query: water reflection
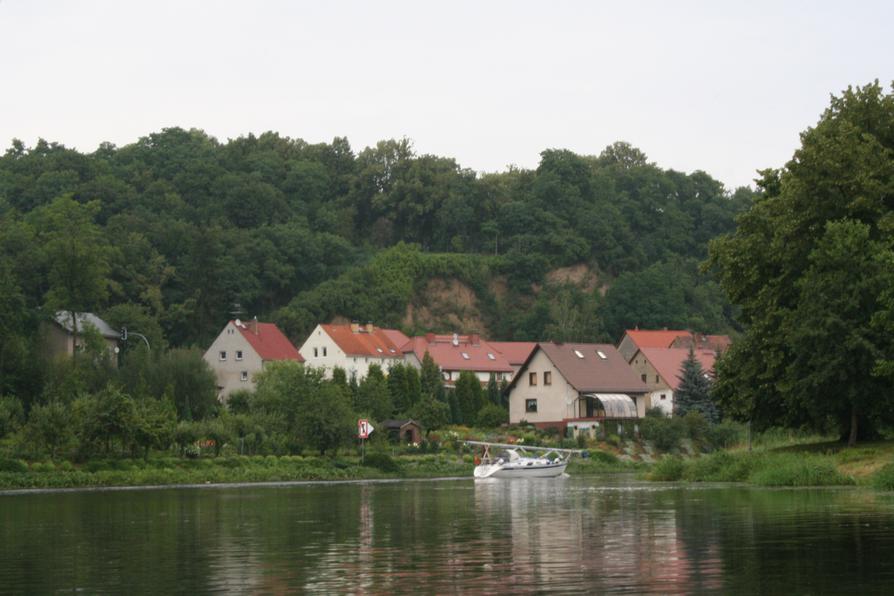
x: 492, y: 536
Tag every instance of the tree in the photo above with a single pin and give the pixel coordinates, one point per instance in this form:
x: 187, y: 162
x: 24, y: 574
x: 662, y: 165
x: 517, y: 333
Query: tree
x: 12, y: 415
x: 155, y: 421
x: 104, y: 418
x: 373, y: 397
x: 76, y: 255
x: 327, y: 421
x: 431, y: 413
x: 469, y: 396
x: 807, y: 266
x: 430, y: 378
x: 693, y: 393
x: 49, y: 429
x: 405, y: 387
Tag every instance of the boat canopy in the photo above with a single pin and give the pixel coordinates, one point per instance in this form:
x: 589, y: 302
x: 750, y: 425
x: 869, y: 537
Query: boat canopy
x: 616, y: 405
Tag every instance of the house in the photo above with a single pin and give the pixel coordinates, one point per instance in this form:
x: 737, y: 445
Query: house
x: 455, y: 354
x: 515, y: 352
x: 242, y: 350
x: 353, y: 348
x: 635, y: 339
x: 570, y: 385
x: 403, y: 431
x: 660, y: 369
x: 59, y: 334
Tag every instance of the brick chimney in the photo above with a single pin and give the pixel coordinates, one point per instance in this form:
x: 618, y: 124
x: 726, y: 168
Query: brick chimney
x: 429, y: 338
x: 370, y: 327
x: 355, y: 326
x: 475, y: 339
x: 253, y: 325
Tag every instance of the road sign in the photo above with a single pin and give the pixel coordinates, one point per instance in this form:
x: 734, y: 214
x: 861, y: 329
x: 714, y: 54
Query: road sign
x: 364, y: 428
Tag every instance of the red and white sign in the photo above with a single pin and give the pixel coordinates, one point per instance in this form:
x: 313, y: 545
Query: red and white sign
x: 364, y: 428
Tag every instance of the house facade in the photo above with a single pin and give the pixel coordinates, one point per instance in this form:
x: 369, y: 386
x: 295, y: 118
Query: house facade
x: 353, y: 348
x: 456, y: 353
x: 242, y: 350
x: 59, y: 338
x: 660, y: 370
x: 575, y: 385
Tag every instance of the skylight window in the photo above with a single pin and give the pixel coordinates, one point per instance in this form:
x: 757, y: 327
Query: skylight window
x: 601, y: 354
x: 466, y: 356
x: 392, y: 350
x: 491, y: 356
x: 578, y: 354
x: 379, y: 350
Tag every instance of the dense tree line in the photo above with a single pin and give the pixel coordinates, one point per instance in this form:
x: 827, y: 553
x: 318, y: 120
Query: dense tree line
x: 811, y: 266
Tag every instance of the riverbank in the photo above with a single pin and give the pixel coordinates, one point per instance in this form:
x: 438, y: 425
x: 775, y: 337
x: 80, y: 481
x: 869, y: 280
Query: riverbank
x: 811, y: 464
x: 17, y: 474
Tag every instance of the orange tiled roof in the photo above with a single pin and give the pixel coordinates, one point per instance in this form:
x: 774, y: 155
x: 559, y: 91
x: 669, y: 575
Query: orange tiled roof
x: 655, y: 339
x: 381, y: 343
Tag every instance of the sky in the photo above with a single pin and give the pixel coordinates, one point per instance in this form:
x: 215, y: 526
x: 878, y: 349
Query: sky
x: 723, y: 87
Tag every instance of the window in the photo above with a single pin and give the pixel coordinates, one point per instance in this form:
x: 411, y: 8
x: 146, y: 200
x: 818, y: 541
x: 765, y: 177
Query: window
x: 380, y: 351
x: 656, y: 379
x: 530, y: 405
x: 663, y: 396
x: 532, y: 379
x: 601, y: 354
x: 238, y: 354
x: 466, y: 356
x: 324, y: 351
x: 578, y: 354
x: 222, y: 355
x: 643, y: 377
x: 315, y: 352
x: 243, y: 376
x: 491, y: 356
x: 446, y: 375
x: 547, y: 377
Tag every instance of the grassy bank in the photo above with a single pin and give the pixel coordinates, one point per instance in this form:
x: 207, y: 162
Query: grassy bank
x: 810, y: 464
x: 18, y: 474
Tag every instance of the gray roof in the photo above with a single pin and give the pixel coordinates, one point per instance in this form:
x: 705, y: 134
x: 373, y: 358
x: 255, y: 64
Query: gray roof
x: 86, y: 318
x: 592, y: 368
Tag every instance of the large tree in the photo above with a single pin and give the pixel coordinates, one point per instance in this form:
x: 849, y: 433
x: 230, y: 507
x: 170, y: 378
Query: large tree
x: 807, y: 264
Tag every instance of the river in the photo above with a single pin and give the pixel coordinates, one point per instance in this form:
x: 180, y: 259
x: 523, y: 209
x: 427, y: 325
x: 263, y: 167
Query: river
x: 586, y: 534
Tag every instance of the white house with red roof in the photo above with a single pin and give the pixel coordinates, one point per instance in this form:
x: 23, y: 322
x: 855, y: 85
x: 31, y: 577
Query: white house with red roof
x: 660, y: 369
x: 457, y: 353
x: 241, y: 351
x: 353, y: 348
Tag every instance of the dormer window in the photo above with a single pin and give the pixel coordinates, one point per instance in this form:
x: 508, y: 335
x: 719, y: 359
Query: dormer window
x: 222, y: 355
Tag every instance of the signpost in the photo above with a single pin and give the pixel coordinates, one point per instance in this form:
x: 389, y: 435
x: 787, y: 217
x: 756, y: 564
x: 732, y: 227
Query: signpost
x: 364, y: 428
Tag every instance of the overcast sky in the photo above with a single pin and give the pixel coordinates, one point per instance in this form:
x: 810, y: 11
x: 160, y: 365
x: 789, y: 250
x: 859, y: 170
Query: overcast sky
x: 695, y: 85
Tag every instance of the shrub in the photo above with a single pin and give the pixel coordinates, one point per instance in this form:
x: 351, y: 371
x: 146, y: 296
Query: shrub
x: 603, y: 456
x: 725, y: 434
x: 664, y: 433
x: 13, y: 465
x: 696, y: 425
x: 667, y: 469
x: 492, y: 416
x: 884, y: 478
x: 792, y: 469
x: 381, y: 461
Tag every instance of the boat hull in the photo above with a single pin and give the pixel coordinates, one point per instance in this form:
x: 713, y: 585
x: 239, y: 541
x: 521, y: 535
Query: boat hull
x: 520, y: 471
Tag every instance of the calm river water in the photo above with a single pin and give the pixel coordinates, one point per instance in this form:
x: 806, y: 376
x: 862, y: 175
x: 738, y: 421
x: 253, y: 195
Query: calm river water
x: 593, y: 534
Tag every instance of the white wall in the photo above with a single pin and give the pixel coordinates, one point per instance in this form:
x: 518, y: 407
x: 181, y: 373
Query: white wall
x: 328, y: 355
x: 555, y: 402
x: 229, y: 371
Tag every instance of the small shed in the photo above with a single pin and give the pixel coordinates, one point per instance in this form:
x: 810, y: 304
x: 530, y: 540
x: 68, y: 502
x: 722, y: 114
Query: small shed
x: 403, y: 431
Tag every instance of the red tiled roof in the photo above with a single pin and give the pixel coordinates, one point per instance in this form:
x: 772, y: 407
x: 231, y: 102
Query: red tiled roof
x: 516, y: 352
x: 588, y: 372
x: 669, y: 362
x: 482, y: 356
x: 381, y: 343
x: 654, y: 339
x: 268, y: 341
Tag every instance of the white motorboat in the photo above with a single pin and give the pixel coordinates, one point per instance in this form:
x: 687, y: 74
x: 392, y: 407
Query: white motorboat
x: 516, y: 463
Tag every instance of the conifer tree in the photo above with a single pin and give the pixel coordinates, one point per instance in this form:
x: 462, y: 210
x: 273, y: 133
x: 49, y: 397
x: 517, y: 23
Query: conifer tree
x: 693, y: 394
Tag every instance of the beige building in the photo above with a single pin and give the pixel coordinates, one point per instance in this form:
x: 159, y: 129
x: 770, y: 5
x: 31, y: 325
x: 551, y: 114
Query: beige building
x: 241, y: 351
x: 353, y: 348
x: 59, y: 339
x: 660, y: 370
x: 575, y: 385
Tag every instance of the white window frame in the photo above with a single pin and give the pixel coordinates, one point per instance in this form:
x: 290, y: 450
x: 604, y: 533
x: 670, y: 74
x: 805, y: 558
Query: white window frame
x: 243, y: 376
x: 222, y: 355
x: 238, y: 355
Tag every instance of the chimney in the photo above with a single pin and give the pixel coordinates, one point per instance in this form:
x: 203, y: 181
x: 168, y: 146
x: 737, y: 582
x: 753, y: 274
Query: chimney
x: 253, y: 325
x: 475, y: 339
x: 355, y: 326
x: 370, y: 327
x: 429, y: 338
